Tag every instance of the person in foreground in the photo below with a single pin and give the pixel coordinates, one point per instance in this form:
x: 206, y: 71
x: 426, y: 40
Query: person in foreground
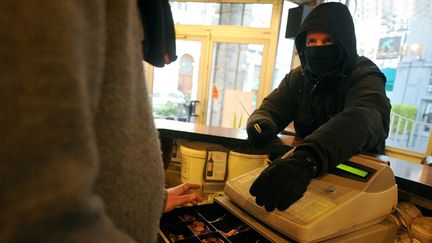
x: 336, y: 100
x: 80, y: 158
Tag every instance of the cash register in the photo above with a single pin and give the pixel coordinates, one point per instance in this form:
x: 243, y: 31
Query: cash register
x: 356, y: 196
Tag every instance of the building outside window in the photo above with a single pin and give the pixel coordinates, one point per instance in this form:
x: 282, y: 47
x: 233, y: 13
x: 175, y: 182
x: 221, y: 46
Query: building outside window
x: 396, y: 36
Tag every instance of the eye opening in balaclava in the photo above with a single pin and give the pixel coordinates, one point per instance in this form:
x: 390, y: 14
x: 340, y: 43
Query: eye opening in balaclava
x: 323, y: 59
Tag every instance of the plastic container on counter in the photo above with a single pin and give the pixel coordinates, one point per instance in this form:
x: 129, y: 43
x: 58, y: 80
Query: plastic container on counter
x: 193, y: 155
x: 240, y: 162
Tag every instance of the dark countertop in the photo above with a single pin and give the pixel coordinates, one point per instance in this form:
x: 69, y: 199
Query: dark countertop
x: 413, y: 178
x: 229, y: 137
x: 199, y: 132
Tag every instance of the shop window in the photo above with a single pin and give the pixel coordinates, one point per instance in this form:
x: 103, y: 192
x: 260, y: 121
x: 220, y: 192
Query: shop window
x: 207, y: 13
x: 396, y: 36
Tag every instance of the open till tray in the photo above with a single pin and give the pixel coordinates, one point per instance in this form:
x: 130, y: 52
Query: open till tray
x: 206, y: 223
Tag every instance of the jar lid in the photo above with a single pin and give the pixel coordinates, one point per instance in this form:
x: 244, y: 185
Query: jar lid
x: 422, y: 228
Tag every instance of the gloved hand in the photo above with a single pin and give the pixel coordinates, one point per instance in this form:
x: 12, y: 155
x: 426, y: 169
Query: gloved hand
x: 284, y: 181
x: 257, y: 139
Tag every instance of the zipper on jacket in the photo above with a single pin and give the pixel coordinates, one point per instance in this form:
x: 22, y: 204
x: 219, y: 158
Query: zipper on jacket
x: 316, y: 84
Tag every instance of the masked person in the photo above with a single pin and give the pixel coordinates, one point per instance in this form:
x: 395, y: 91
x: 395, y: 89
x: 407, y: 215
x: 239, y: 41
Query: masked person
x: 336, y: 100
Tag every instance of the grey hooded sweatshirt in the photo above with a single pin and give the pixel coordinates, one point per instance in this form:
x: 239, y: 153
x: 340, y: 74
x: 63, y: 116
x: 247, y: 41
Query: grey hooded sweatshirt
x: 80, y: 159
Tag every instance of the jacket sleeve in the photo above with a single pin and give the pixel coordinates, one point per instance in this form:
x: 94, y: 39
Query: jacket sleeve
x: 280, y: 106
x: 362, y: 125
x: 52, y: 54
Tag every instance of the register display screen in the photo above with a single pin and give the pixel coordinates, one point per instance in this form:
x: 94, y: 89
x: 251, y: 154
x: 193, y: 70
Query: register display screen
x: 354, y: 171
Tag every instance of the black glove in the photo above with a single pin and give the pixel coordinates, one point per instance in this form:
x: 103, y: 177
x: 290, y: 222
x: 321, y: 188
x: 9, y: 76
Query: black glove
x: 285, y: 181
x: 259, y: 139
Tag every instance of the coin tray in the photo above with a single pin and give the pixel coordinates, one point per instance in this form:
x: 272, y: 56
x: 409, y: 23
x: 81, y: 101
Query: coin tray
x: 206, y: 223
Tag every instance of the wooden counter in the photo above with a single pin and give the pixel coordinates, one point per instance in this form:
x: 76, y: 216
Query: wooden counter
x: 414, y: 180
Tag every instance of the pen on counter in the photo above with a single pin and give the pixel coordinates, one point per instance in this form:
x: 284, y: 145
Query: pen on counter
x: 288, y: 154
x: 256, y: 126
x: 285, y: 156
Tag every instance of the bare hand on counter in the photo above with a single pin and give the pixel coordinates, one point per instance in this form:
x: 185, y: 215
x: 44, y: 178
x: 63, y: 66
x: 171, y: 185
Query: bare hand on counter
x: 181, y: 195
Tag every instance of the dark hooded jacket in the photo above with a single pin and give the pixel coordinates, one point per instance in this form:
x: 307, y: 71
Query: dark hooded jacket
x: 338, y: 114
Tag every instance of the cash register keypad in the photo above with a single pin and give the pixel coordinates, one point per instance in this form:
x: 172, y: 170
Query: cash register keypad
x: 309, y: 207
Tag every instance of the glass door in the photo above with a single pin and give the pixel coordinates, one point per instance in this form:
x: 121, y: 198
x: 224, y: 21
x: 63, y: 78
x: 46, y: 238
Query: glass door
x: 234, y: 83
x: 175, y: 87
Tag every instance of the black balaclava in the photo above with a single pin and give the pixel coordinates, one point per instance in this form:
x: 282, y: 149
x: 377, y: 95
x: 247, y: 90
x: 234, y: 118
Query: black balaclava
x: 335, y: 19
x: 322, y: 59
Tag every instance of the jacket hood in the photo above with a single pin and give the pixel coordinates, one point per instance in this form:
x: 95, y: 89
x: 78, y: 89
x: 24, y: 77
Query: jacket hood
x: 335, y: 19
